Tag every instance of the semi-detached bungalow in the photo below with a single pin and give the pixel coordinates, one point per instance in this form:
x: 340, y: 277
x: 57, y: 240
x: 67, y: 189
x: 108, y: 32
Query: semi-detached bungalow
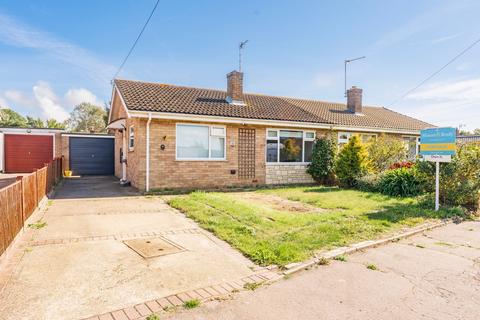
x: 169, y: 136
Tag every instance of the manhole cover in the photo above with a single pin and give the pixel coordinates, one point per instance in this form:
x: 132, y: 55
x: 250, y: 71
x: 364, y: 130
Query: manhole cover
x: 153, y: 247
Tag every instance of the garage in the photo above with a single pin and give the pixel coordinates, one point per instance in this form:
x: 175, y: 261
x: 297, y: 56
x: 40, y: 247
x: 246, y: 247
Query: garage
x: 27, y: 152
x: 91, y: 155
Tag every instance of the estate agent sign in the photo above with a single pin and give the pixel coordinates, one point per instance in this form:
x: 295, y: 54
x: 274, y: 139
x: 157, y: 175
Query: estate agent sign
x: 438, y: 145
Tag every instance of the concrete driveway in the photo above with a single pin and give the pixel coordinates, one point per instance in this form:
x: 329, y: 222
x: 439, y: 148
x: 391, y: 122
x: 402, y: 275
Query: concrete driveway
x: 79, y: 265
x: 431, y: 276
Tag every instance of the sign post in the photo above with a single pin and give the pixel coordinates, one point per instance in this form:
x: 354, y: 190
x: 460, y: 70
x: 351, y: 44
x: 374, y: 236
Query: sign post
x: 438, y: 145
x: 437, y: 185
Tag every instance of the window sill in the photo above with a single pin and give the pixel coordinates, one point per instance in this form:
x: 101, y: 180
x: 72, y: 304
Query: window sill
x: 197, y: 160
x: 287, y: 163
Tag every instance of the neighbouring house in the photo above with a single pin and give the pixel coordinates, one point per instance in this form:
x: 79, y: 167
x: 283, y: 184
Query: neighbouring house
x: 24, y: 150
x: 169, y: 136
x: 468, y: 139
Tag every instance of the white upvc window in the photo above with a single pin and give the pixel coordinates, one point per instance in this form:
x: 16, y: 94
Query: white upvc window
x: 200, y: 142
x: 131, y: 138
x: 286, y: 145
x: 343, y: 138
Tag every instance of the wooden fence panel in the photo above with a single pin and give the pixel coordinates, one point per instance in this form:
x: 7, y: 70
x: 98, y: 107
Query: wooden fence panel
x: 20, y: 199
x: 29, y: 186
x: 11, y: 214
x: 42, y: 182
x: 3, y: 220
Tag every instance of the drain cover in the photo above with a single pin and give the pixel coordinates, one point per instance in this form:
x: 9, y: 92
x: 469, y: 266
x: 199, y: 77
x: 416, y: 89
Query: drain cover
x: 153, y: 247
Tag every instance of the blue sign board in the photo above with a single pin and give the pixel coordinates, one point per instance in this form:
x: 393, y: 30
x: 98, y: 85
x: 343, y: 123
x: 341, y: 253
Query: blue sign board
x: 438, y: 141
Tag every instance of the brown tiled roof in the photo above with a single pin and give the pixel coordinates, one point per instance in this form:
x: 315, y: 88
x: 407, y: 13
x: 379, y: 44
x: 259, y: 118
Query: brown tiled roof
x: 145, y: 96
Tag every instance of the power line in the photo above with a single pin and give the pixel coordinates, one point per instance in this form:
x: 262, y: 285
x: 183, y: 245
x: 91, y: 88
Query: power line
x: 436, y: 72
x: 136, y: 40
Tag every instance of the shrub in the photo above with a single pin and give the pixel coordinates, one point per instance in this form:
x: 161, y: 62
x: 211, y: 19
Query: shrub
x: 369, y: 182
x: 323, y: 161
x: 351, y: 163
x: 401, y: 164
x: 385, y: 151
x: 459, y: 179
x: 402, y: 182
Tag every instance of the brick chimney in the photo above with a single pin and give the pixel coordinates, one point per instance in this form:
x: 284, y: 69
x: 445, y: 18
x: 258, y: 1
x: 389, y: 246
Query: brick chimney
x: 235, y: 87
x: 354, y: 100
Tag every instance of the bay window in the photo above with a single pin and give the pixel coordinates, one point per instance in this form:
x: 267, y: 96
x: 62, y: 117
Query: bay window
x: 200, y: 142
x: 289, y: 145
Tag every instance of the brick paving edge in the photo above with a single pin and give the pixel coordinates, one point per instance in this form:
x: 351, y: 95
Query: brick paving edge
x: 205, y: 294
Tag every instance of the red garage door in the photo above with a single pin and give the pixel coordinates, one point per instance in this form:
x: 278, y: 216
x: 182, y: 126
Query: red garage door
x: 25, y: 153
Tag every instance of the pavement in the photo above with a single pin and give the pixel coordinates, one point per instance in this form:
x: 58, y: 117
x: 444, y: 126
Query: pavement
x: 431, y: 276
x: 78, y: 265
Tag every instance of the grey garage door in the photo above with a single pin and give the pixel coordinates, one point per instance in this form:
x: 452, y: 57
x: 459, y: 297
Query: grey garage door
x: 91, y: 156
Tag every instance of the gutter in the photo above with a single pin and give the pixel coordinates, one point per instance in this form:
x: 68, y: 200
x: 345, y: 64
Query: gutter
x: 147, y: 164
x: 271, y: 123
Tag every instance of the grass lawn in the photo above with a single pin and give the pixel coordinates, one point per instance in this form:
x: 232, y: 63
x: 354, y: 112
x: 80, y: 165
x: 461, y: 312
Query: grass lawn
x: 283, y: 225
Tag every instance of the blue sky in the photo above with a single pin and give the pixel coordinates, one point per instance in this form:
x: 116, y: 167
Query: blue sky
x: 55, y: 54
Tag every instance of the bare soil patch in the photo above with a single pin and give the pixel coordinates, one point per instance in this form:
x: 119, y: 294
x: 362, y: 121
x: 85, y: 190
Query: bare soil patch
x: 278, y: 203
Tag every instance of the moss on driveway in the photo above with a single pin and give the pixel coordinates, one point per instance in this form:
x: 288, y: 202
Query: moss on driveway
x: 269, y: 234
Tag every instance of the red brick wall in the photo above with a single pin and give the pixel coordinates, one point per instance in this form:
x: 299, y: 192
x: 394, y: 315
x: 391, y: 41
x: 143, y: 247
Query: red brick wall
x: 167, y: 172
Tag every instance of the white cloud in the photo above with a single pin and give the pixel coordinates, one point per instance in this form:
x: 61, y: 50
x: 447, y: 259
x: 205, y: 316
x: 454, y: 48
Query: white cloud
x: 446, y: 38
x: 448, y: 103
x: 18, y: 34
x: 462, y: 90
x: 18, y: 97
x: 44, y: 103
x: 74, y: 97
x: 48, y: 101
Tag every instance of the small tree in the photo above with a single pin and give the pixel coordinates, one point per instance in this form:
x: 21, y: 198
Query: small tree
x: 323, y: 161
x: 385, y: 151
x: 87, y: 117
x: 10, y: 118
x: 54, y: 124
x: 351, y: 163
x: 35, y: 122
